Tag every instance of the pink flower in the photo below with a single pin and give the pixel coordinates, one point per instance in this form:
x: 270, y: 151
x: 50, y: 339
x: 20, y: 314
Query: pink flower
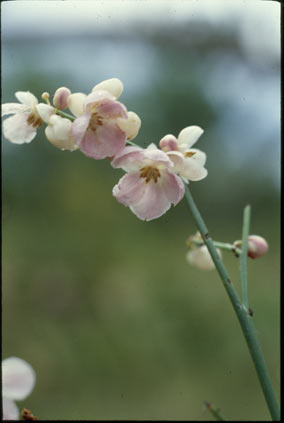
x: 149, y: 187
x: 103, y: 124
x: 18, y: 380
x: 257, y: 246
x: 189, y: 162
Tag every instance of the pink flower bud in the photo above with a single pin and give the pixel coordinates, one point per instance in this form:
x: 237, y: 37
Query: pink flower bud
x: 60, y: 97
x: 257, y: 246
x: 168, y: 143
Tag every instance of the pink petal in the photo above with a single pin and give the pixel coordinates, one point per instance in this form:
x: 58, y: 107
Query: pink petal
x: 17, y: 130
x: 18, y: 378
x: 111, y: 109
x: 153, y: 204
x: 173, y: 187
x: 129, y: 158
x: 10, y: 410
x: 169, y: 143
x: 106, y: 141
x: 80, y: 126
x: 96, y: 97
x: 157, y: 157
x: 130, y: 188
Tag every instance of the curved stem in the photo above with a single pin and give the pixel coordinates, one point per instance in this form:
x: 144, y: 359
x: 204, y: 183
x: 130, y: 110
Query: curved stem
x: 244, y: 315
x: 65, y: 115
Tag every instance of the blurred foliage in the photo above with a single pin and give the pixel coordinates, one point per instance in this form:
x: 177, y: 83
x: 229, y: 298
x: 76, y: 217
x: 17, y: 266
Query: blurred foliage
x: 103, y: 305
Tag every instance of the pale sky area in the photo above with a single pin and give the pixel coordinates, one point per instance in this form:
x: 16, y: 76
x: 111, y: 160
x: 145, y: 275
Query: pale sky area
x: 71, y: 17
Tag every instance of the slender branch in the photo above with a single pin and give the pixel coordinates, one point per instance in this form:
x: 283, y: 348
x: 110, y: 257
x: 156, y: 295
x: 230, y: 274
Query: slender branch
x: 244, y: 316
x: 244, y: 257
x: 214, y: 411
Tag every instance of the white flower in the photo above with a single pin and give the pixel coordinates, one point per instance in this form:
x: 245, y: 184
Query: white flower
x: 28, y: 116
x: 189, y: 162
x: 200, y: 257
x: 18, y: 380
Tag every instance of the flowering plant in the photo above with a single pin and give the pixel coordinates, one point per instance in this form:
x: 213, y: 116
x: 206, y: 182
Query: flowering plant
x: 155, y: 178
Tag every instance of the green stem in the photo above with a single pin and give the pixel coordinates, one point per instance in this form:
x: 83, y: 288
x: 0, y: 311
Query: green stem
x: 214, y: 411
x: 65, y: 115
x: 223, y: 246
x: 244, y: 316
x: 244, y: 257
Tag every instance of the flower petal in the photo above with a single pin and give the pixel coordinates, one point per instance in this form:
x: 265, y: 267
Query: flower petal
x: 17, y: 130
x: 59, y: 133
x: 129, y: 159
x: 129, y: 189
x: 188, y: 136
x: 10, y: 410
x: 45, y: 111
x: 192, y: 170
x: 26, y: 98
x: 12, y: 108
x: 111, y: 109
x: 130, y: 126
x: 18, y: 378
x: 114, y: 86
x: 75, y: 103
x: 173, y: 187
x: 106, y: 141
x: 197, y: 155
x: 95, y: 98
x: 153, y: 204
x: 200, y: 257
x: 80, y: 126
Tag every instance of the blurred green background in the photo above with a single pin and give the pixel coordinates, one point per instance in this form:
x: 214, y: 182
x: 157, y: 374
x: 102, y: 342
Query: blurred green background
x: 104, y: 306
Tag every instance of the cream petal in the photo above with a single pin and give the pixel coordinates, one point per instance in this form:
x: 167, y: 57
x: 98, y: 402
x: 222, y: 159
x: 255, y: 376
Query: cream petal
x: 45, y: 111
x: 198, y: 156
x: 188, y: 136
x: 130, y: 126
x: 18, y: 378
x: 10, y: 410
x: 12, y: 108
x: 114, y: 86
x: 59, y: 133
x: 192, y: 170
x: 200, y: 257
x: 178, y: 160
x: 26, y: 98
x: 75, y: 103
x: 17, y: 130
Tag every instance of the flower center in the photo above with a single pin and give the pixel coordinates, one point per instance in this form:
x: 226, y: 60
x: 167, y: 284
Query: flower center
x: 34, y: 120
x: 149, y: 173
x: 95, y: 121
x: 189, y: 154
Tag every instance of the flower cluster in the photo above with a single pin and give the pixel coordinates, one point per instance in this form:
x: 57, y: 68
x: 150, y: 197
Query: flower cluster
x: 100, y: 127
x: 18, y: 380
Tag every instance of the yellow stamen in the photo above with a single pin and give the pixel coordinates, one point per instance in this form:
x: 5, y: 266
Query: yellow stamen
x: 189, y: 153
x: 34, y: 120
x: 149, y: 172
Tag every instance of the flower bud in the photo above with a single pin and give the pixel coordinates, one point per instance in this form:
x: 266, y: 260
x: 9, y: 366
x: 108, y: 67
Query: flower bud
x: 257, y: 246
x: 169, y: 143
x: 60, y: 97
x: 200, y: 257
x: 59, y: 133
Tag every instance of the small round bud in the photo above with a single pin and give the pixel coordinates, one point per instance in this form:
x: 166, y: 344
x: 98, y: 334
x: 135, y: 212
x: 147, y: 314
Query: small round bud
x: 169, y: 143
x: 60, y: 98
x: 45, y: 96
x: 257, y: 246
